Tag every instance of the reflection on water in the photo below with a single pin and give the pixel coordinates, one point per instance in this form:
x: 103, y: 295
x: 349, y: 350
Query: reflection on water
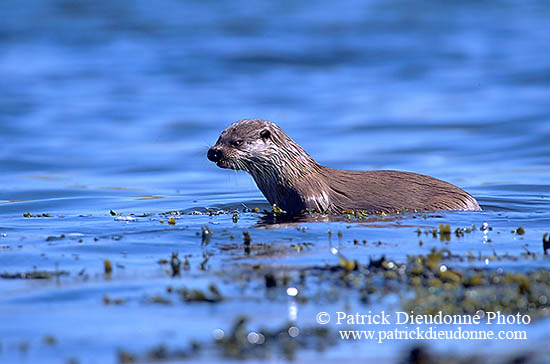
x: 113, y: 105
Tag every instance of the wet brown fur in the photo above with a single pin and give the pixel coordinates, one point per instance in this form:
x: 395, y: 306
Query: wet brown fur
x: 294, y: 181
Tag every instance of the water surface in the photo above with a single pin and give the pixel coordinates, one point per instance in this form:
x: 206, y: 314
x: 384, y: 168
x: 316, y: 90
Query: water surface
x: 112, y: 106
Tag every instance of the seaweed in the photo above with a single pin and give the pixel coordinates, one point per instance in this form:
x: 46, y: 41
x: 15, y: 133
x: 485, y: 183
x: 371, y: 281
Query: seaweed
x: 175, y: 265
x: 213, y: 295
x: 33, y: 275
x: 206, y: 234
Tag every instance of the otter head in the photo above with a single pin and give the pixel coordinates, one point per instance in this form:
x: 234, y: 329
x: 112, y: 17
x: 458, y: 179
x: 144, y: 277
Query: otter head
x: 243, y: 145
x: 262, y: 149
x: 281, y: 168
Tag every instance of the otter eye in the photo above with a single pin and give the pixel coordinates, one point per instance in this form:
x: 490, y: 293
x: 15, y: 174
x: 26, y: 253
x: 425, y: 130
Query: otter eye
x: 237, y: 142
x: 265, y: 134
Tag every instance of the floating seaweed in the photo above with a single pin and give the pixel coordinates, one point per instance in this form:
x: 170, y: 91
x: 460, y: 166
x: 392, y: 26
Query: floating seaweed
x: 33, y: 275
x: 175, y: 265
x: 107, y: 267
x: 206, y: 234
x: 213, y: 295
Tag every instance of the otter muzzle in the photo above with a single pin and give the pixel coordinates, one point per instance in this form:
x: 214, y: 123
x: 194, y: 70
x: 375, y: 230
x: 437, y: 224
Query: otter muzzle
x: 214, y: 154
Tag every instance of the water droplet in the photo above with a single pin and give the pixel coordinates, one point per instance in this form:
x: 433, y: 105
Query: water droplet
x: 218, y: 334
x: 293, y: 331
x: 253, y: 337
x: 292, y: 291
x: 292, y: 312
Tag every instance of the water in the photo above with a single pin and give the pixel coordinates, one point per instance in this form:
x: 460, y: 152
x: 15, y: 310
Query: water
x: 112, y: 105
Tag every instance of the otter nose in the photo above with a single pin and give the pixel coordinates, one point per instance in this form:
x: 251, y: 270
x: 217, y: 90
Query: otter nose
x: 214, y: 154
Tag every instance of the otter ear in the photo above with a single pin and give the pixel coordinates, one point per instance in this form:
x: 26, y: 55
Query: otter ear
x: 265, y: 134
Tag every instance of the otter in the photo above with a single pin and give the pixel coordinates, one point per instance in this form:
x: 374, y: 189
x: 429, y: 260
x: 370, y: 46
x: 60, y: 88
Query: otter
x: 291, y: 179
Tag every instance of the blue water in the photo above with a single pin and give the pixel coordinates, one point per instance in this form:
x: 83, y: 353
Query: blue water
x: 113, y: 105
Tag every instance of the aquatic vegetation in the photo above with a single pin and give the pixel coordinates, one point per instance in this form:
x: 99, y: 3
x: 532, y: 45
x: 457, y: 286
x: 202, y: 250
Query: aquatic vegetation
x: 270, y: 280
x: 431, y: 279
x: 33, y: 275
x: 241, y: 343
x: 445, y: 232
x: 54, y: 238
x: 107, y: 267
x: 186, y: 265
x: 113, y: 301
x: 28, y: 214
x: 206, y: 234
x: 175, y: 265
x: 49, y: 340
x: 213, y: 295
x: 519, y: 231
x: 206, y: 258
x: 247, y: 238
x: 158, y: 299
